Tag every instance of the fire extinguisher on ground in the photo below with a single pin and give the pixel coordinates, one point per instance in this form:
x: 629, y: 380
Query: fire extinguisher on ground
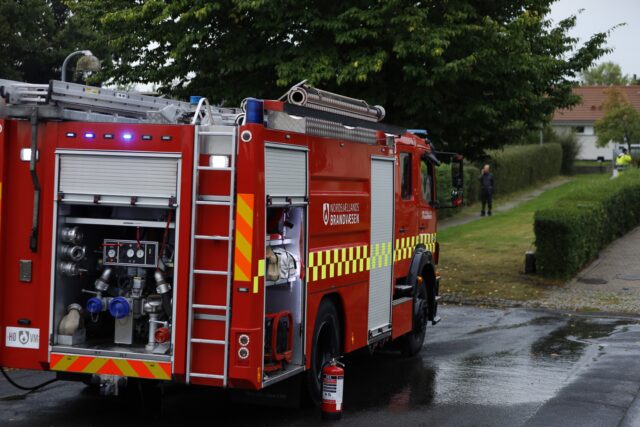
x: 332, y: 390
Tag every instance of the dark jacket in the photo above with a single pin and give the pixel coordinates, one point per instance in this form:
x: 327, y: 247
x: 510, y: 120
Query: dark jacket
x: 486, y: 182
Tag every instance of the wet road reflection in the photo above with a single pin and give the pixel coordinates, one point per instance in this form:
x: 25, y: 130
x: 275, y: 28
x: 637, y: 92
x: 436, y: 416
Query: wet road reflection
x: 478, y: 367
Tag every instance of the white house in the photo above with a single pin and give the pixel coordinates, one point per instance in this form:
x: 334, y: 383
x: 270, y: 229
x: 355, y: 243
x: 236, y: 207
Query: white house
x: 581, y: 118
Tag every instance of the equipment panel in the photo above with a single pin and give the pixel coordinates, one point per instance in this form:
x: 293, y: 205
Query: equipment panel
x: 130, y: 253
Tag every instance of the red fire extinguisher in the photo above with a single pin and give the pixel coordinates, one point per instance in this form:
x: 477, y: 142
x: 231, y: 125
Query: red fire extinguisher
x: 332, y: 390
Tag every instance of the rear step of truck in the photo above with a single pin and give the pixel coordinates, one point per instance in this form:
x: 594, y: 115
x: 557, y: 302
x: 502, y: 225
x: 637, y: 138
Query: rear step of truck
x: 216, y: 367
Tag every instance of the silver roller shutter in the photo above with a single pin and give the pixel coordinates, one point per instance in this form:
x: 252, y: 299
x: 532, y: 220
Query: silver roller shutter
x: 285, y: 171
x: 381, y: 248
x: 152, y: 179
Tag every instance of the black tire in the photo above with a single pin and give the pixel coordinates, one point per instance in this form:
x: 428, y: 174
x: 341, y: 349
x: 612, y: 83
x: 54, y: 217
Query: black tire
x: 325, y: 346
x: 411, y: 343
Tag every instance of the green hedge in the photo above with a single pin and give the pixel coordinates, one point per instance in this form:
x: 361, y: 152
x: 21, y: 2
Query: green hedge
x: 515, y: 167
x: 520, y: 166
x: 572, y: 233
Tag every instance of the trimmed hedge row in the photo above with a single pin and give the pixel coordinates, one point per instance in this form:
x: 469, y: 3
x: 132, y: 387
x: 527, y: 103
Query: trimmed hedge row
x: 515, y: 167
x: 519, y: 166
x: 572, y: 233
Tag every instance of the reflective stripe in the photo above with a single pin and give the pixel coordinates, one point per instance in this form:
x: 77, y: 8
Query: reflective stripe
x: 244, y: 239
x: 111, y: 366
x: 326, y: 264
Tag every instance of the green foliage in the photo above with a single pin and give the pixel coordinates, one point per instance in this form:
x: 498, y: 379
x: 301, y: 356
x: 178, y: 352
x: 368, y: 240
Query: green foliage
x: 570, y: 148
x: 620, y: 123
x: 477, y: 73
x: 606, y: 74
x: 516, y: 167
x: 572, y: 233
x: 36, y: 36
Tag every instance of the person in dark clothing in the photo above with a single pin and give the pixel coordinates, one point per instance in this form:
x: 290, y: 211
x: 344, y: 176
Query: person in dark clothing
x: 487, y: 186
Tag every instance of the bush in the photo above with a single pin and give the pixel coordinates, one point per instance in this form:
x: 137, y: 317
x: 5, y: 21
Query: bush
x: 571, y: 234
x: 516, y: 167
x: 570, y: 150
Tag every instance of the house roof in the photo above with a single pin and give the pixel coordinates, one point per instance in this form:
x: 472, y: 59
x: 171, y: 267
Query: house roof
x: 590, y: 109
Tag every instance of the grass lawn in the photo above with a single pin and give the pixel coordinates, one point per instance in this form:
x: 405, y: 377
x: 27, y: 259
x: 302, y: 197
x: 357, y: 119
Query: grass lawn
x: 486, y: 257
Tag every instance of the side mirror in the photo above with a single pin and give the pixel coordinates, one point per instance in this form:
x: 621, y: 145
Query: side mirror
x: 456, y: 162
x: 457, y: 181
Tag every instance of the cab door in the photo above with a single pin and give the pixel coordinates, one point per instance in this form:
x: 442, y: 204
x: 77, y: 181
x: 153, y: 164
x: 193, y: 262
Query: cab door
x: 425, y: 200
x: 406, y: 218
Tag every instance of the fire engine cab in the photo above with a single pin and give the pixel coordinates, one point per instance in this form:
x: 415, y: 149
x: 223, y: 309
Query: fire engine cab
x: 147, y: 238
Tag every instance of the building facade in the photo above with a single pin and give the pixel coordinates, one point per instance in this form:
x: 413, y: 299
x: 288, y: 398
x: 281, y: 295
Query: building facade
x: 582, y: 117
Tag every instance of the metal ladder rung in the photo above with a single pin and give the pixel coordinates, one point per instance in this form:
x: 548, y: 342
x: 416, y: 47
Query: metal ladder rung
x: 211, y: 133
x: 205, y: 237
x: 211, y: 272
x: 211, y: 376
x: 212, y: 203
x: 212, y: 168
x: 204, y: 341
x: 209, y: 307
x: 214, y: 198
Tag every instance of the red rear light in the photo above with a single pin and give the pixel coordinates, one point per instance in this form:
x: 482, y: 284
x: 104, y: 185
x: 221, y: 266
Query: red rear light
x: 436, y: 254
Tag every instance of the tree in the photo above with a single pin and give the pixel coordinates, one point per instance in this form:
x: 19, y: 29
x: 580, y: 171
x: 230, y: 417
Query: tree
x: 605, y: 74
x: 620, y: 123
x: 36, y: 36
x: 476, y: 73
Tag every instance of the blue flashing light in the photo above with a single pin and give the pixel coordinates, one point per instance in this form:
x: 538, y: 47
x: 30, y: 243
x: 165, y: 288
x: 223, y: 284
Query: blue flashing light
x: 119, y: 307
x: 89, y: 135
x: 71, y: 134
x: 193, y: 100
x: 418, y: 131
x: 255, y: 111
x: 94, y: 305
x: 127, y: 136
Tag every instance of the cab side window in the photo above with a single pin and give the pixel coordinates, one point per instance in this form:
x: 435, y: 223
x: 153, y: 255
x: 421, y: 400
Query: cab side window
x: 426, y: 178
x: 405, y: 175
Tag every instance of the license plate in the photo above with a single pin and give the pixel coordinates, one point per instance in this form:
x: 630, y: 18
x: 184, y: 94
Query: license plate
x: 22, y: 337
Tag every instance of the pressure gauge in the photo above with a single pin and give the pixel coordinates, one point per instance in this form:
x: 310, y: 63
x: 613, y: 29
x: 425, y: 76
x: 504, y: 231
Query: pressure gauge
x: 111, y: 253
x: 130, y: 253
x: 140, y: 253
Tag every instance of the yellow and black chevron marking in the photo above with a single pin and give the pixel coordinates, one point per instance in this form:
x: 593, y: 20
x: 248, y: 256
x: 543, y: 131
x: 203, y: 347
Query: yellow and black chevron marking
x: 356, y: 259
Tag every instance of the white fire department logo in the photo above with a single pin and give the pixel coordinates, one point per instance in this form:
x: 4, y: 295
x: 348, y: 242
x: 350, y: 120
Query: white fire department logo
x: 340, y: 213
x: 325, y: 213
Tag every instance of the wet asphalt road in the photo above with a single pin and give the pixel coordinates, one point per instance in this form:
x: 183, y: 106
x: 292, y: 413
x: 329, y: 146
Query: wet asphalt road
x: 478, y: 368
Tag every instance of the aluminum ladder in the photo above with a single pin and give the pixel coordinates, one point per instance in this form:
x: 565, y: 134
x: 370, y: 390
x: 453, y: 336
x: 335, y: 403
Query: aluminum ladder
x: 225, y: 138
x: 71, y: 101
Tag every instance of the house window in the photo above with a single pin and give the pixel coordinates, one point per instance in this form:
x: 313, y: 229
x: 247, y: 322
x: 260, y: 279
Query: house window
x: 579, y: 129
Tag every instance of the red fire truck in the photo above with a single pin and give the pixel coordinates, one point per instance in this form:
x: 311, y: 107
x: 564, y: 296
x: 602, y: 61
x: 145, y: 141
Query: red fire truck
x: 147, y: 238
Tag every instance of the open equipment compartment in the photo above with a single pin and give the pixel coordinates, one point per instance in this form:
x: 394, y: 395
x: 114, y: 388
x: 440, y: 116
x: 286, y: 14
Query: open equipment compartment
x: 285, y: 248
x: 115, y: 254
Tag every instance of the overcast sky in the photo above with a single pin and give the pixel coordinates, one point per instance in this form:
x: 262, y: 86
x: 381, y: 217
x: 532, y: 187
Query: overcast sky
x: 601, y: 15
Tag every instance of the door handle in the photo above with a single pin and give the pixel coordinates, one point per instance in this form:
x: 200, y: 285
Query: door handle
x: 422, y: 228
x: 402, y: 230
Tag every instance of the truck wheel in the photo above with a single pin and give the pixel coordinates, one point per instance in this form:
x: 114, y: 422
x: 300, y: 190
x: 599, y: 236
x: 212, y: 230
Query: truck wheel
x: 411, y: 343
x: 325, y: 346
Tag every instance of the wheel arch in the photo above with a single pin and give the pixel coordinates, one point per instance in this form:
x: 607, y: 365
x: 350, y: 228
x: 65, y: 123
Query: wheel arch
x: 336, y: 299
x: 422, y: 266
